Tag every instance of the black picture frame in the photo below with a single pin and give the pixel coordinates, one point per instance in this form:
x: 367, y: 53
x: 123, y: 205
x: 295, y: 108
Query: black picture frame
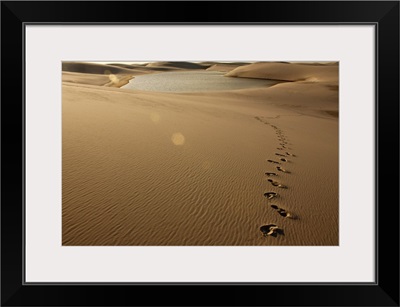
x: 383, y: 14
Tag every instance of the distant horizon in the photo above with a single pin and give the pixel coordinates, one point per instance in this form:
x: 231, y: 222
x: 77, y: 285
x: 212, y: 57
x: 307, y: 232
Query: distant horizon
x: 101, y: 62
x: 147, y: 62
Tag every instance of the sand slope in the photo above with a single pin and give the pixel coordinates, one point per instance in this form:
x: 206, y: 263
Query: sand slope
x: 178, y: 65
x: 288, y: 72
x: 145, y: 168
x: 225, y: 67
x: 96, y: 79
x: 94, y: 68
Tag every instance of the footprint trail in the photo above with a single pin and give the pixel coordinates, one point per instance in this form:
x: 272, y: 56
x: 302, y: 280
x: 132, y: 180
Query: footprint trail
x: 282, y: 140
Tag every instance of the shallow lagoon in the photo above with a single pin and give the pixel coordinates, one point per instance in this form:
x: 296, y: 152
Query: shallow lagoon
x: 193, y: 81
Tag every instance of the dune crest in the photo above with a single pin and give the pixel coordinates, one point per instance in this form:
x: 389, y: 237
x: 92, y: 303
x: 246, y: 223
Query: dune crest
x: 93, y: 68
x: 178, y: 65
x: 225, y: 67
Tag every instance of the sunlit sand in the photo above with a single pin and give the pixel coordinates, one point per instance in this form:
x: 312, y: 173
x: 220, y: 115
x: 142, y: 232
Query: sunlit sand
x: 251, y: 166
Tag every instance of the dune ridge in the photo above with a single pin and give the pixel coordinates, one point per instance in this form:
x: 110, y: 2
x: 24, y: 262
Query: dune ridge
x: 225, y: 67
x: 110, y: 80
x: 288, y: 72
x: 179, y: 65
x: 94, y: 68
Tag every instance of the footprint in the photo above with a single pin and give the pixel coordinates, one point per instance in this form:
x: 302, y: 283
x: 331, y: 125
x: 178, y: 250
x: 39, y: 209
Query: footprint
x: 282, y: 170
x: 289, y: 154
x: 278, y: 154
x: 284, y: 160
x: 284, y: 213
x: 272, y: 161
x: 271, y: 230
x: 271, y: 174
x: 277, y: 184
x: 279, y: 148
x: 270, y: 195
x: 259, y: 119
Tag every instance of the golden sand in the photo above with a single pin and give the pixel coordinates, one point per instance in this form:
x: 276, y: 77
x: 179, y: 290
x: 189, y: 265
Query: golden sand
x: 148, y: 168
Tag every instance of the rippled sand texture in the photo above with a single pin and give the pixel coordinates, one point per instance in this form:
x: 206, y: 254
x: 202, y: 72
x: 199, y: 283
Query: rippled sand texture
x: 146, y: 168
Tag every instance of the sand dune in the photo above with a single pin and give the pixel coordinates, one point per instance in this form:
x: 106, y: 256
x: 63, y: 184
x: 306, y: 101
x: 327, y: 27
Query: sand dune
x: 180, y: 65
x: 93, y: 68
x: 244, y: 167
x: 225, y: 67
x: 96, y: 79
x: 315, y: 63
x: 143, y: 68
x: 81, y: 78
x: 301, y: 98
x: 128, y: 66
x: 287, y: 72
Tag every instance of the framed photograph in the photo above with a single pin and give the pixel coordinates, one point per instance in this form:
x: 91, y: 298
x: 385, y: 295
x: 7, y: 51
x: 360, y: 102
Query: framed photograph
x: 242, y: 153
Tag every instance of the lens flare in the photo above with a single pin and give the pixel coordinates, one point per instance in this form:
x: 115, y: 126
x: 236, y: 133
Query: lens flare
x: 178, y: 139
x: 113, y: 78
